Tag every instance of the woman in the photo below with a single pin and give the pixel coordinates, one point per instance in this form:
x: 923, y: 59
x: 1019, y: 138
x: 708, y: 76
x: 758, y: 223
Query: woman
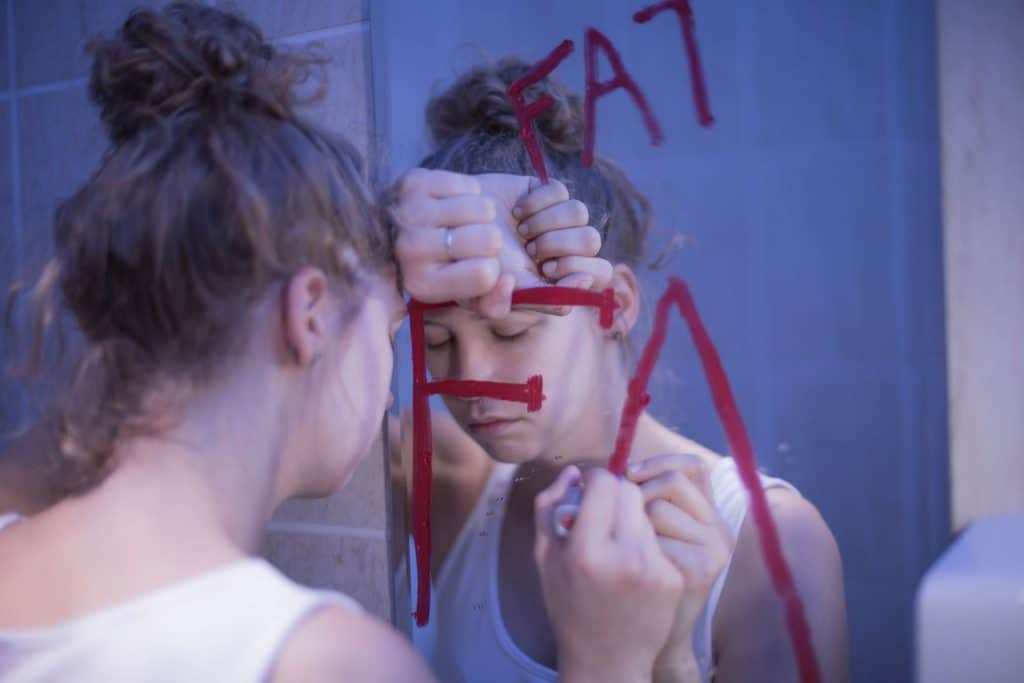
x: 491, y: 457
x: 235, y: 292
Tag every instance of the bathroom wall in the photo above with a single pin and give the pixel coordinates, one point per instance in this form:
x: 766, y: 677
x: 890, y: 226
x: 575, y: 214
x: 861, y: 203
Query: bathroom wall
x: 50, y: 139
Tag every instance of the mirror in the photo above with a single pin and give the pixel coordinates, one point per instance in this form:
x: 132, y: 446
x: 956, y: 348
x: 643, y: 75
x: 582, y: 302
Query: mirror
x: 806, y: 223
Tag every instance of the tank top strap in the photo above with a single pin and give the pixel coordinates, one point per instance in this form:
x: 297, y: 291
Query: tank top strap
x: 10, y: 519
x: 732, y: 502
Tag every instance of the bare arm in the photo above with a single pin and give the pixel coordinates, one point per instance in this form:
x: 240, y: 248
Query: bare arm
x: 749, y: 627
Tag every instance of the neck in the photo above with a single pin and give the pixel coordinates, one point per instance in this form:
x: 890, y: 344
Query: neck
x: 217, y: 470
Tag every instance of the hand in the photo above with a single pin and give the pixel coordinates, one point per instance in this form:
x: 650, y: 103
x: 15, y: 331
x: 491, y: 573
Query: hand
x: 427, y: 206
x: 489, y: 260
x: 692, y: 534
x: 542, y: 229
x: 558, y: 238
x: 610, y: 592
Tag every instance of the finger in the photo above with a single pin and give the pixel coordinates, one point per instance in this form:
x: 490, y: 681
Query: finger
x: 497, y: 303
x: 465, y: 279
x: 567, y: 214
x: 462, y: 210
x: 544, y: 506
x: 468, y: 241
x: 669, y: 521
x: 540, y: 197
x: 685, y: 556
x: 576, y: 281
x: 598, y: 269
x: 642, y: 470
x: 674, y: 487
x: 631, y: 523
x: 582, y: 241
x: 553, y: 494
x: 692, y: 465
x: 598, y: 508
x: 436, y: 183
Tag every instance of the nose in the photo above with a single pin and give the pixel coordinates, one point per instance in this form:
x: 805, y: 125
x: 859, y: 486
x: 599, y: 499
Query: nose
x: 472, y: 362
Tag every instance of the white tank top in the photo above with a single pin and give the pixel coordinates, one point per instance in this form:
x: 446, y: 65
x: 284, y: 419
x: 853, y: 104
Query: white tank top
x: 227, y: 624
x: 471, y: 642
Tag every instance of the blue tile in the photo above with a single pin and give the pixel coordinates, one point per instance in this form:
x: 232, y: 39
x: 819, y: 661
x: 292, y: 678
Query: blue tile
x: 924, y: 277
x: 706, y: 212
x: 10, y: 405
x: 50, y: 35
x: 277, y: 19
x: 819, y: 71
x: 911, y: 69
x: 6, y: 187
x: 881, y: 637
x: 5, y: 52
x: 843, y: 439
x: 826, y: 237
x: 60, y: 143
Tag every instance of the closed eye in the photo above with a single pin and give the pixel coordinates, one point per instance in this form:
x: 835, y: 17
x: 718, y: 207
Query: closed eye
x: 437, y: 338
x: 509, y: 335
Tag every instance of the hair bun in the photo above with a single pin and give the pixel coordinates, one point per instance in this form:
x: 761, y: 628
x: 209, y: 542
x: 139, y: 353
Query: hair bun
x: 477, y: 103
x: 189, y: 56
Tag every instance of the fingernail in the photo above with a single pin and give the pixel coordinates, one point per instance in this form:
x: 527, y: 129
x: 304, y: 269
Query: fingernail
x: 517, y: 212
x: 531, y: 248
x: 635, y: 467
x: 523, y: 227
x: 549, y: 267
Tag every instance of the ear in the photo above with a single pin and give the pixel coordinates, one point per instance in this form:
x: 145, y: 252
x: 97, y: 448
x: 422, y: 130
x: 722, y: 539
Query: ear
x: 305, y: 315
x: 627, y: 295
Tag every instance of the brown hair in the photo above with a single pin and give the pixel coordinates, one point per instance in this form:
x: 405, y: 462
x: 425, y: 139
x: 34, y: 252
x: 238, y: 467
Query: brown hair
x: 213, y: 189
x: 474, y: 130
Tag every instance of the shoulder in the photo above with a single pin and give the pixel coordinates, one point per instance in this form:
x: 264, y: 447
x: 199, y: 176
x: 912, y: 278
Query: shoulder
x: 335, y: 644
x: 749, y: 623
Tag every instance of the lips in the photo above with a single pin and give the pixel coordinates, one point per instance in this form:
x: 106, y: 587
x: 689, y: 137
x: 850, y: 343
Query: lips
x: 491, y: 425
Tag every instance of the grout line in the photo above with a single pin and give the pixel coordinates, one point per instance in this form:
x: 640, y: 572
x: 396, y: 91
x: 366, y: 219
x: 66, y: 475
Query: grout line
x: 317, y: 529
x: 325, y: 33
x: 15, y: 151
x: 46, y: 88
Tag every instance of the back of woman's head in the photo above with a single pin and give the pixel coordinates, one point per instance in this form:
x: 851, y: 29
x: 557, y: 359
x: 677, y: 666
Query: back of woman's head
x: 473, y: 129
x: 213, y: 189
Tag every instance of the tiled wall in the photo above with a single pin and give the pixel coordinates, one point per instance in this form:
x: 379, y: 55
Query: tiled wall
x: 50, y: 139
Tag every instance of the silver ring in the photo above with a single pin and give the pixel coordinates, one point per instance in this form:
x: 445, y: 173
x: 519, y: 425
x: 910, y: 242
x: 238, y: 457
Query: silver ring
x: 448, y: 243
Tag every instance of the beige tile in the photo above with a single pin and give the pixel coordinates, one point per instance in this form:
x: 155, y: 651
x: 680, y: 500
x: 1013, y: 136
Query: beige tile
x: 346, y: 107
x: 276, y: 18
x: 355, y: 566
x: 361, y: 504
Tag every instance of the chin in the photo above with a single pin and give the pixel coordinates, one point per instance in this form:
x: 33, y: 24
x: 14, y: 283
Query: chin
x: 511, y: 452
